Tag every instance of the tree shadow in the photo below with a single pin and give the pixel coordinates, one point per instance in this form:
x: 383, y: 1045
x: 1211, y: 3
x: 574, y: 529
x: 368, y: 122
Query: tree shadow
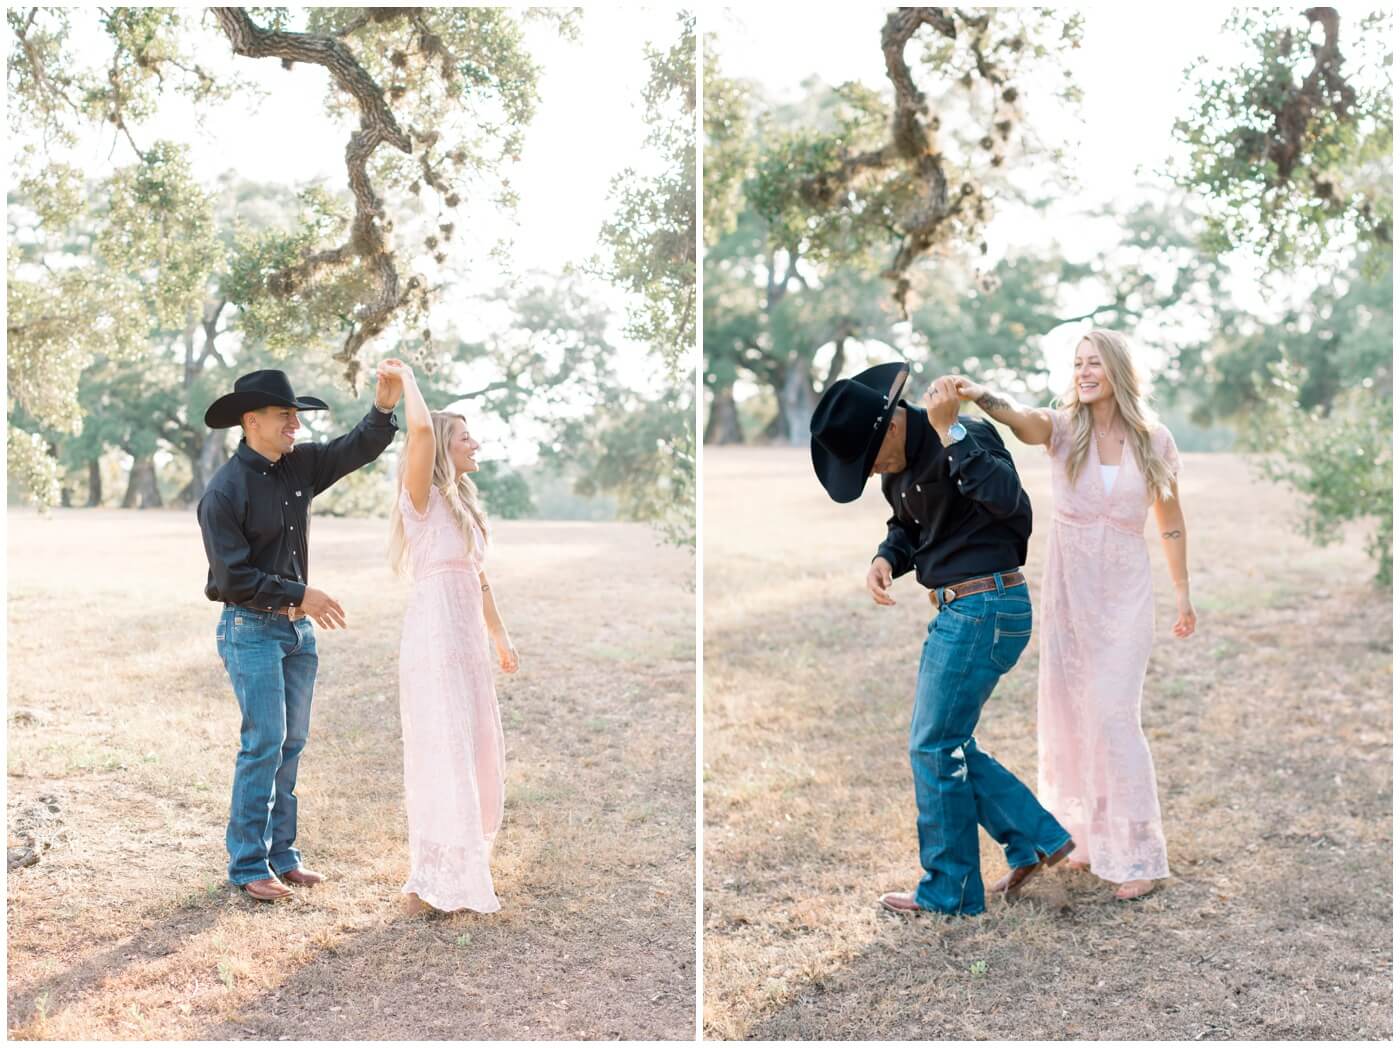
x: 163, y: 932
x: 511, y: 975
x: 1068, y: 962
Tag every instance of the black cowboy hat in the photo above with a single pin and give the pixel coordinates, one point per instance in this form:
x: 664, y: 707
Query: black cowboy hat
x: 260, y: 389
x: 849, y: 426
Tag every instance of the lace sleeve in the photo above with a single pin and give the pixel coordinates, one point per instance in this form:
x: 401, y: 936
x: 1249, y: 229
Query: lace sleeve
x: 1167, y: 446
x: 1059, y: 432
x: 409, y: 512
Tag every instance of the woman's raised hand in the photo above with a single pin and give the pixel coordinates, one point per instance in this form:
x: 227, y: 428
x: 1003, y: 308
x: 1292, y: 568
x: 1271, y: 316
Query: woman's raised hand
x: 967, y: 389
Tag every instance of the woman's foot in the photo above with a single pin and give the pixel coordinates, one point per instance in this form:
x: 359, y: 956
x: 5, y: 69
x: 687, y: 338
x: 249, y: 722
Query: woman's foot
x: 1134, y: 890
x: 413, y: 906
x: 1075, y: 864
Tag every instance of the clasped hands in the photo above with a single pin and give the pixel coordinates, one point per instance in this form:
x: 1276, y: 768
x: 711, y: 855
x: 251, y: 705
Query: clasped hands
x: 389, y: 377
x: 943, y: 398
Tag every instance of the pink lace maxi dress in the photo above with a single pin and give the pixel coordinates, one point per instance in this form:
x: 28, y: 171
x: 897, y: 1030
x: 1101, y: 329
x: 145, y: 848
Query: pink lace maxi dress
x: 453, y: 747
x: 1096, y: 772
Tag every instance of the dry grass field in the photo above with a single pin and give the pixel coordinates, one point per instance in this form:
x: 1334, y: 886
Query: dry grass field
x: 1271, y: 730
x: 122, y: 734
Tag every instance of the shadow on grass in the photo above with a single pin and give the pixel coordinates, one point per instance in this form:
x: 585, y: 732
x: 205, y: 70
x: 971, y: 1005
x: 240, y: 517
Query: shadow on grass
x: 1067, y: 961
x: 165, y: 931
x: 469, y: 976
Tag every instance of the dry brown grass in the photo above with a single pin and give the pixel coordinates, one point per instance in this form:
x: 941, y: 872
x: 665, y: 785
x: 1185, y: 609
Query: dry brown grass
x: 122, y: 735
x: 1270, y: 728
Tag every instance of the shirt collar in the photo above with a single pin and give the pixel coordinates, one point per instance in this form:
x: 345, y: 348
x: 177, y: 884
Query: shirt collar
x: 249, y: 457
x: 916, y: 433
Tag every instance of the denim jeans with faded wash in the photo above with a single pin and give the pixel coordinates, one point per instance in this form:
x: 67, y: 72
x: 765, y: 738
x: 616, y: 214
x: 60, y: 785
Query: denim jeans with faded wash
x: 272, y: 664
x: 971, y: 643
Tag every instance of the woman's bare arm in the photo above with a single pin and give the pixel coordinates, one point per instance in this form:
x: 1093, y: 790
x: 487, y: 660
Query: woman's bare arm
x: 1171, y: 524
x: 422, y: 445
x: 1030, y: 425
x: 505, y: 650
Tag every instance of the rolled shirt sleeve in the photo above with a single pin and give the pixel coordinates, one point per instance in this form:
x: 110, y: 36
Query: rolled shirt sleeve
x: 984, y: 470
x: 898, y: 548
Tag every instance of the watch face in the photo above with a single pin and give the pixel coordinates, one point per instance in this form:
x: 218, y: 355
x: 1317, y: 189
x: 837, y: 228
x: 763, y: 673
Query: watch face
x: 957, y: 431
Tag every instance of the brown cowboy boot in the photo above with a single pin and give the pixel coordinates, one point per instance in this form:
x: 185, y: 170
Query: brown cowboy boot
x: 1016, y: 877
x: 269, y: 889
x: 303, y: 877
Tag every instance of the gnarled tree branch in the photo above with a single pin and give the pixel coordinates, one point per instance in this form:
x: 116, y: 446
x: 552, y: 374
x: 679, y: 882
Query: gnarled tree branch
x: 377, y: 127
x: 913, y: 141
x: 1323, y: 88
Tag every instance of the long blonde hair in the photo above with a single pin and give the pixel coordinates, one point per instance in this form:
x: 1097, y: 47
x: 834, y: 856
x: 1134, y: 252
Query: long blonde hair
x: 1139, y: 419
x: 459, y: 491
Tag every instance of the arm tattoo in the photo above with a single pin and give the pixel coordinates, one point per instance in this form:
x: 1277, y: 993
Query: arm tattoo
x: 1171, y: 534
x: 991, y: 402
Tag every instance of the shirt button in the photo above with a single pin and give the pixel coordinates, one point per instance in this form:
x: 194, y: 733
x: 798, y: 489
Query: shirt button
x: 917, y: 488
x: 916, y: 520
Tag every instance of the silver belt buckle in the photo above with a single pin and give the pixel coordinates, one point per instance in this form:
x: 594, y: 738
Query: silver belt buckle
x: 949, y: 595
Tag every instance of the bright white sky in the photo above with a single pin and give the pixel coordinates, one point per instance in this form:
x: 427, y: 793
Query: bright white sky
x: 1130, y: 69
x: 587, y: 128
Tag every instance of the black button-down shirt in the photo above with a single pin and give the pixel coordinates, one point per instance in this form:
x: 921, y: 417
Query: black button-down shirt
x: 254, y: 513
x: 959, y: 511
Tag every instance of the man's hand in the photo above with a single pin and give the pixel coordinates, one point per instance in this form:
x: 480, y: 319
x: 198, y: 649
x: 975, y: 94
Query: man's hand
x: 389, y: 379
x: 324, y: 609
x: 879, y: 579
x: 941, y: 403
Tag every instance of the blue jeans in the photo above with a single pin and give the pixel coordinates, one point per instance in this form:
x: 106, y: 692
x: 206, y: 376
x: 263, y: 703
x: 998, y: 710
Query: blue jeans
x: 272, y: 663
x: 971, y: 643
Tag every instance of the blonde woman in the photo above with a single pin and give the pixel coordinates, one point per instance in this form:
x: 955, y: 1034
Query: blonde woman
x: 1112, y: 461
x: 453, y: 748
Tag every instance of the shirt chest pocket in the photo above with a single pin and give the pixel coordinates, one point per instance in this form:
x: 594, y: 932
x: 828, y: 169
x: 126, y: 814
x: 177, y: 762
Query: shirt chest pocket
x: 296, y: 503
x: 919, y: 499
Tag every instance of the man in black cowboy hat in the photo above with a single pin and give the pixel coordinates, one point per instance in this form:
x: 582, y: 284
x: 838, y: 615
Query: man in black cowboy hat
x: 254, y: 520
x: 960, y: 523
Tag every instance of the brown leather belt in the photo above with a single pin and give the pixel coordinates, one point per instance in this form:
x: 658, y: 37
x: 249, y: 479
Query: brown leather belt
x: 292, y: 613
x: 966, y: 588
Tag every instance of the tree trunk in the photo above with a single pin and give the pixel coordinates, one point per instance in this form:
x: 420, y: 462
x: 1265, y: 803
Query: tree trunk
x: 65, y: 492
x: 723, y: 425
x: 213, y: 452
x: 142, y: 491
x: 776, y: 430
x: 797, y: 401
x: 838, y: 361
x: 94, y: 483
x: 843, y: 333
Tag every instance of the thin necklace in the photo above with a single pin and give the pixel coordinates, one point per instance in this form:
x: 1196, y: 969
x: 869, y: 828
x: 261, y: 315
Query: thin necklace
x: 1106, y: 432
